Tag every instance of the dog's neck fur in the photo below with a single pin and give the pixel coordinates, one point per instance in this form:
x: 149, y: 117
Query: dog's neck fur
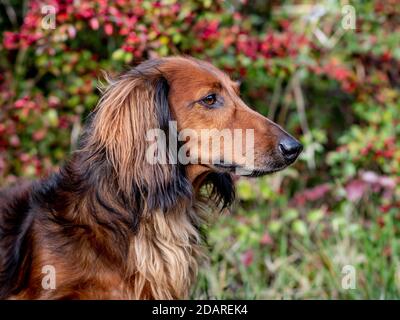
x: 166, y: 250
x: 155, y: 259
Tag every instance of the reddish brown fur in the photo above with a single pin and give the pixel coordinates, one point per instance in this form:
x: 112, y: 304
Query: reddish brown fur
x: 112, y: 225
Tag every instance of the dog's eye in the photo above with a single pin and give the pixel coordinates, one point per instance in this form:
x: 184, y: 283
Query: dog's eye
x: 209, y: 100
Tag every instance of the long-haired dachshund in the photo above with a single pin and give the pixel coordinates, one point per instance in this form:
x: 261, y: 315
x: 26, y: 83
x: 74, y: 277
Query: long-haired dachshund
x: 112, y: 225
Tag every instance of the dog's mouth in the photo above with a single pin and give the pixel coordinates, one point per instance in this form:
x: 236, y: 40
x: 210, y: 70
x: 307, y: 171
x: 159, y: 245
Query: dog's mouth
x: 242, y: 171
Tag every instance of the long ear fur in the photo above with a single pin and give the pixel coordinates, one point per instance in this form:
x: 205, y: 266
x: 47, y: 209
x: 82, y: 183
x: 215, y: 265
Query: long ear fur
x: 133, y: 104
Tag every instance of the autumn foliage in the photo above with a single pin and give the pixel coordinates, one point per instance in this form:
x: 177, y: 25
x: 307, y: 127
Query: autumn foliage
x: 342, y: 99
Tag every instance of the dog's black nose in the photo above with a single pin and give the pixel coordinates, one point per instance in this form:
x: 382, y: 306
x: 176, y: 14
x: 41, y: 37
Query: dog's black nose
x: 290, y: 148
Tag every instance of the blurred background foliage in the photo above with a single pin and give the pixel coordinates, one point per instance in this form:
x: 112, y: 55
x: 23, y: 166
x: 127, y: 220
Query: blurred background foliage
x: 289, y: 235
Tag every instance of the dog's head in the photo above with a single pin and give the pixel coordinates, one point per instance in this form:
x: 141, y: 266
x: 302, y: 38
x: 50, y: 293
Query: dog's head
x: 217, y: 134
x: 221, y: 132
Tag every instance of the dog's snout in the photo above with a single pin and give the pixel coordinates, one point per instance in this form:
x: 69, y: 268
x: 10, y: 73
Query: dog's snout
x: 290, y: 148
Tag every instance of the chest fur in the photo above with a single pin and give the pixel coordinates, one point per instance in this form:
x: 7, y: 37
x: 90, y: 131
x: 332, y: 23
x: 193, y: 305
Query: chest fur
x: 161, y: 263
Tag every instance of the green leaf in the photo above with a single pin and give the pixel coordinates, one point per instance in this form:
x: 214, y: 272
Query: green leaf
x: 299, y: 227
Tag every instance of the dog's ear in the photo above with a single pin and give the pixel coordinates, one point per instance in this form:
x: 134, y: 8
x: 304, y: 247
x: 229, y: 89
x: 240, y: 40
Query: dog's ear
x: 131, y: 105
x: 169, y: 181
